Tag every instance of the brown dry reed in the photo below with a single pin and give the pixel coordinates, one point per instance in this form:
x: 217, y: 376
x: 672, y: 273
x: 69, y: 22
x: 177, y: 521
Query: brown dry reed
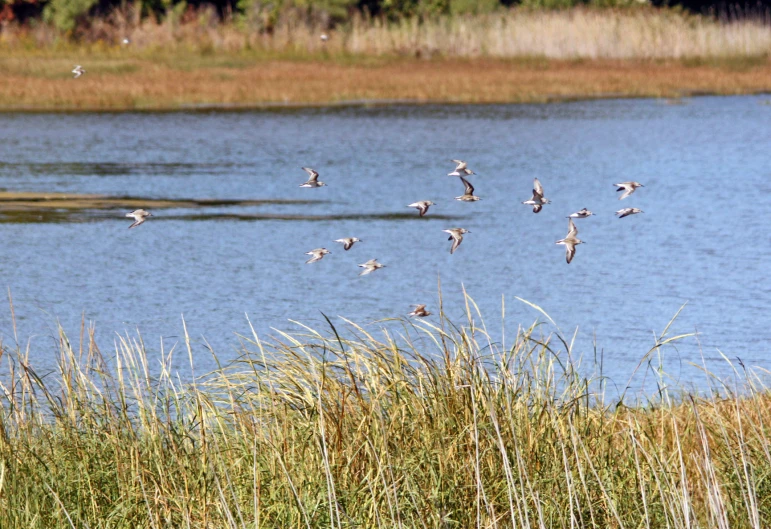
x: 512, y: 56
x: 429, y: 424
x: 632, y: 33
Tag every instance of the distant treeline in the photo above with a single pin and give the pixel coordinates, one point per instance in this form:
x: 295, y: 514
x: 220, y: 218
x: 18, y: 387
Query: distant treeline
x: 66, y: 15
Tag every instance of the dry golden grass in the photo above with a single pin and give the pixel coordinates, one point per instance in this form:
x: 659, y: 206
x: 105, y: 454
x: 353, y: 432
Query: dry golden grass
x: 432, y: 424
x: 173, y: 81
x: 512, y: 56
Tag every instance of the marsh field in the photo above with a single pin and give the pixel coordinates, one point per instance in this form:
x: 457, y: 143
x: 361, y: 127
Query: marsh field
x: 517, y: 56
x: 195, y: 372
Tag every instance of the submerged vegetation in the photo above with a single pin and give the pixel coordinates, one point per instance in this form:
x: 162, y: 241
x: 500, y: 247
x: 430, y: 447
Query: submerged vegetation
x: 418, y: 424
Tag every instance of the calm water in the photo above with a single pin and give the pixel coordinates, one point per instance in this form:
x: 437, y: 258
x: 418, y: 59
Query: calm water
x: 703, y: 239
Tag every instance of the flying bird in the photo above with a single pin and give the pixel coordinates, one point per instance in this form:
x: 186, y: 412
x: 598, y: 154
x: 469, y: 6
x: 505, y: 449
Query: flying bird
x: 313, y: 178
x: 628, y: 188
x: 318, y: 254
x: 538, y: 200
x: 78, y: 71
x: 139, y: 216
x: 456, y: 236
x: 422, y: 206
x: 348, y: 242
x: 420, y: 311
x: 461, y: 170
x: 570, y: 241
x: 468, y: 195
x: 584, y: 213
x: 628, y: 211
x: 370, y: 266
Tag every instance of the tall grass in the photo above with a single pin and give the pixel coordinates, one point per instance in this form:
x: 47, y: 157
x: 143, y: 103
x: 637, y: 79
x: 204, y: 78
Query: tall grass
x: 633, y: 33
x: 433, y: 425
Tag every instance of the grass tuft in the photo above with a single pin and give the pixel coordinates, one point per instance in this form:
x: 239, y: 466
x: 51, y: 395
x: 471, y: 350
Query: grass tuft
x: 421, y: 424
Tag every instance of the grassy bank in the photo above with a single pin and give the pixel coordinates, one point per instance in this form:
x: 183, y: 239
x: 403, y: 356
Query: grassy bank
x: 179, y: 80
x: 440, y: 426
x: 513, y: 56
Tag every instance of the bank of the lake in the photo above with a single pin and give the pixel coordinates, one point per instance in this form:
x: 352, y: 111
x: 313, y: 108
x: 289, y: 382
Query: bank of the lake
x: 184, y: 80
x: 443, y: 426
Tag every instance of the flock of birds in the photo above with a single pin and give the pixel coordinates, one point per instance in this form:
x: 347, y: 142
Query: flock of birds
x: 537, y: 201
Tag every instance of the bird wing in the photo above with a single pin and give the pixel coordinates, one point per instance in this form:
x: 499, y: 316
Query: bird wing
x: 136, y: 223
x: 469, y: 187
x: 628, y: 191
x: 572, y: 230
x: 537, y: 208
x: 570, y: 251
x: 314, y: 175
x: 537, y: 187
x: 455, y: 243
x: 461, y: 165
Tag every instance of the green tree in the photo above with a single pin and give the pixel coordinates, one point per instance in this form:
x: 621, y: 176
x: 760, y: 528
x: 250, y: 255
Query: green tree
x: 64, y: 14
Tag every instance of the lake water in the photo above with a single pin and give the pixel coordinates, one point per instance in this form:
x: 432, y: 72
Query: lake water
x: 703, y: 239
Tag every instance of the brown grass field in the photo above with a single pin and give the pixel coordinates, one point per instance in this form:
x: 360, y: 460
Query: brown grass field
x: 237, y: 80
x: 510, y: 57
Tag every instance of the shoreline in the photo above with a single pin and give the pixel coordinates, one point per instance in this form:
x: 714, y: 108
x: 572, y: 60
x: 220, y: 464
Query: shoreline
x: 270, y: 106
x: 181, y: 82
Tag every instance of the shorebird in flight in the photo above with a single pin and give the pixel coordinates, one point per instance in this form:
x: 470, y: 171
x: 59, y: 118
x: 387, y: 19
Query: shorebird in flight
x: 348, y: 242
x: 139, y: 217
x: 628, y: 211
x: 318, y: 254
x: 538, y: 199
x: 468, y: 195
x: 420, y: 311
x: 461, y: 170
x: 370, y: 266
x: 78, y: 71
x: 570, y: 241
x: 324, y: 37
x: 422, y: 206
x: 313, y: 178
x: 628, y: 188
x: 584, y: 213
x: 456, y: 236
